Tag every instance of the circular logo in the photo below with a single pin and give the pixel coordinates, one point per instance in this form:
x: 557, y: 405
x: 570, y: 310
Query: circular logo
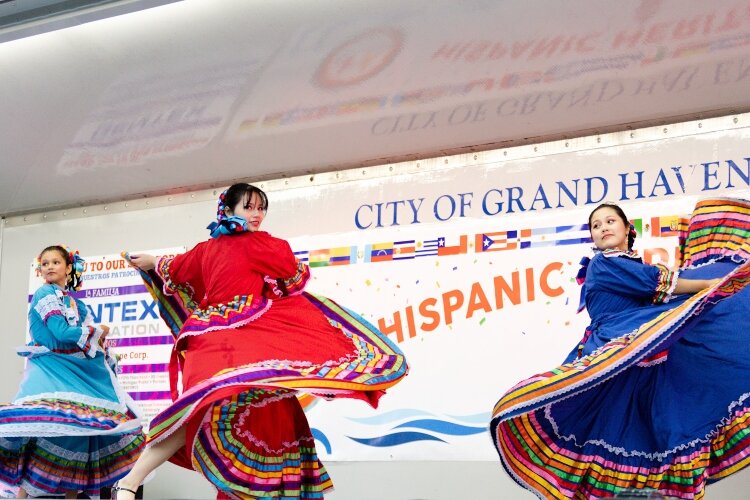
x: 359, y: 58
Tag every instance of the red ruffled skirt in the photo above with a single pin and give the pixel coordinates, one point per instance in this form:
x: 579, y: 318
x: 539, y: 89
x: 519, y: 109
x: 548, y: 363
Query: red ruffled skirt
x: 246, y: 431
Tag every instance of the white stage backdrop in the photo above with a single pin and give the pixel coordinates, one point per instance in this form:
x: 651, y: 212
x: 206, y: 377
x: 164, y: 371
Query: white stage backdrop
x: 476, y: 306
x: 470, y: 270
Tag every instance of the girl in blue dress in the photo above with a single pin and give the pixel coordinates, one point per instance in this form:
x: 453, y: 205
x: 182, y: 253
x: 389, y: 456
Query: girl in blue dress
x: 657, y: 394
x: 71, y: 428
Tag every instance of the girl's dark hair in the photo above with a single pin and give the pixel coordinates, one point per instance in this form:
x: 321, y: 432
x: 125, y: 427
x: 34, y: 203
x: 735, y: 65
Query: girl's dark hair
x: 73, y: 279
x: 236, y: 193
x: 631, y: 230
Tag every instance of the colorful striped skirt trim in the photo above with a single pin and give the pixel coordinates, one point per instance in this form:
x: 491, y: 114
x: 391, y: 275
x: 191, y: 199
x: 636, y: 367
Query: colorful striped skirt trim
x: 544, y: 459
x: 55, y: 465
x: 258, y: 445
x: 62, y: 417
x: 379, y: 365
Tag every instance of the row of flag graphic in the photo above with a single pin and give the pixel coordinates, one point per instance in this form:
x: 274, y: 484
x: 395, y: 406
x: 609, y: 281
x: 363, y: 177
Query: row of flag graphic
x: 496, y: 241
x: 532, y: 238
x: 662, y: 227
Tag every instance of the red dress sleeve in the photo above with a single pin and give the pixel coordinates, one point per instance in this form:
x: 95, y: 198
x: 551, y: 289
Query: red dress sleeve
x: 284, y: 275
x: 183, y: 272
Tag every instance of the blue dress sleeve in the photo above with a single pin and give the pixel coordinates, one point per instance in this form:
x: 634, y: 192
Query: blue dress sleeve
x: 49, y: 303
x: 627, y: 276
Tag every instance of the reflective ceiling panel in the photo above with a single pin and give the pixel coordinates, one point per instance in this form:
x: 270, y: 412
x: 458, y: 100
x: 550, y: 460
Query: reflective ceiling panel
x: 199, y: 92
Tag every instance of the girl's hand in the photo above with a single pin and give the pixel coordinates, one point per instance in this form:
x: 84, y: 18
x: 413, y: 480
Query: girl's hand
x: 103, y: 337
x: 143, y: 261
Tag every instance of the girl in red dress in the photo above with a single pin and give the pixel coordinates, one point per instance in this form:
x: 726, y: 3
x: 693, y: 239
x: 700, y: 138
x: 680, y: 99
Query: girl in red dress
x: 250, y: 342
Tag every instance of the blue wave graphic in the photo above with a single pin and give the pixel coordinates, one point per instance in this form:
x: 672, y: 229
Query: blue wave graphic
x: 396, y: 439
x: 443, y: 427
x: 412, y: 418
x: 319, y: 436
x: 477, y: 418
x: 391, y: 416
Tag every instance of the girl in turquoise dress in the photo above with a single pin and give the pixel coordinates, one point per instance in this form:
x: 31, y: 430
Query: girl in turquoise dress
x: 71, y: 428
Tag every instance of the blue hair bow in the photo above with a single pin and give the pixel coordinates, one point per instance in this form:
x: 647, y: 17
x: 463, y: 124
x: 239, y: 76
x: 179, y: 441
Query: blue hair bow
x: 227, y: 225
